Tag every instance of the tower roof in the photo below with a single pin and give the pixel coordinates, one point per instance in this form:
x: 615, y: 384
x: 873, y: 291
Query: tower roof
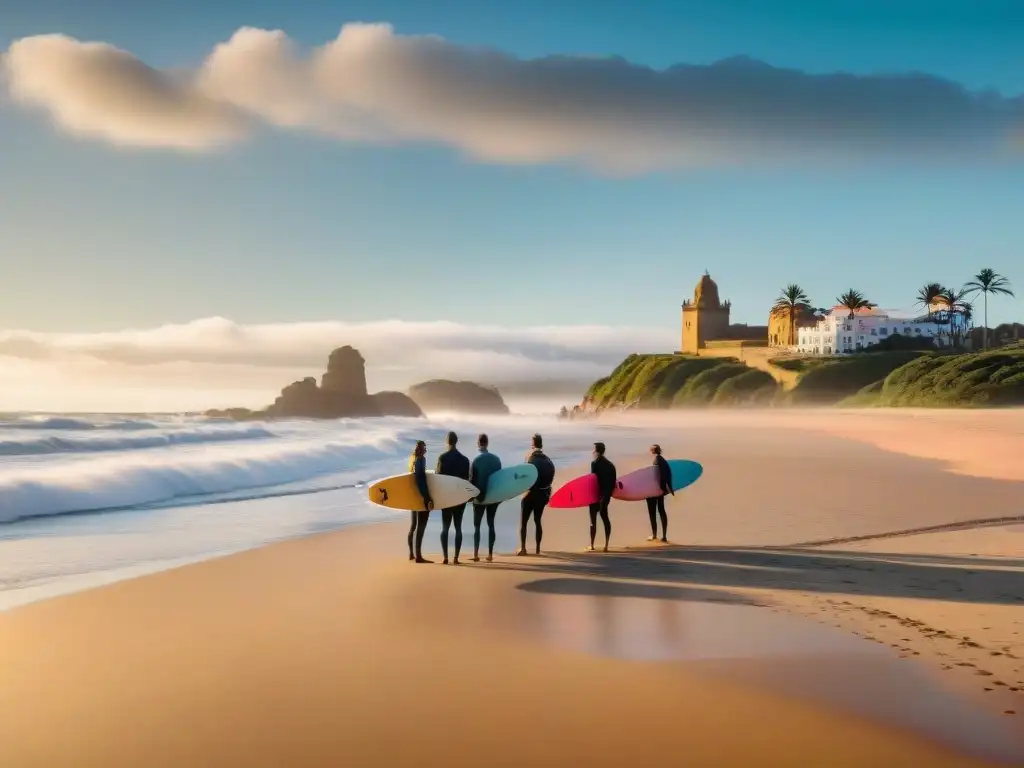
x: 705, y: 295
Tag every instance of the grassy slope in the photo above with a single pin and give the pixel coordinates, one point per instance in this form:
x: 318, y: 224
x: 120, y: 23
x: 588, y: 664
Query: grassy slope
x: 892, y: 378
x: 679, y: 381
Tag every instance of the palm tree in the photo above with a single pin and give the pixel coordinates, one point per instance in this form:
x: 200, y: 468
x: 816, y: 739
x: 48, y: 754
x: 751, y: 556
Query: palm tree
x: 958, y: 310
x: 988, y: 281
x: 854, y: 300
x: 929, y: 295
x: 793, y: 301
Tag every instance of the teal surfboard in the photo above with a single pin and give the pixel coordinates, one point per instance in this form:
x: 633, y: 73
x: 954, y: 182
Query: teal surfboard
x: 509, y: 482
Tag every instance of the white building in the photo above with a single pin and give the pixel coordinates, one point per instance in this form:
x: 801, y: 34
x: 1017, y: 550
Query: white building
x: 837, y: 333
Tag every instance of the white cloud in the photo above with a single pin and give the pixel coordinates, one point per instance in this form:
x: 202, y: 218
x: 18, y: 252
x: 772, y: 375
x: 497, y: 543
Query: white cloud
x: 372, y: 85
x: 214, y: 362
x: 95, y: 89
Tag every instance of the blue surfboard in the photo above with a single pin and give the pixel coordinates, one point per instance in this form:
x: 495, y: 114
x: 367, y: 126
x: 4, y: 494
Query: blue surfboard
x: 509, y: 482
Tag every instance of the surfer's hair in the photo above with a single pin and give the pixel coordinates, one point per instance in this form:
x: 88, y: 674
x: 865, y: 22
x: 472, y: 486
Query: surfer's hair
x: 420, y: 446
x: 538, y: 441
x: 599, y: 447
x: 656, y: 449
x: 452, y: 439
x: 482, y: 440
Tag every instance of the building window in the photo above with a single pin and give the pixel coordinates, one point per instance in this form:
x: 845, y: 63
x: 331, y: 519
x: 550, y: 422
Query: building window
x: 883, y: 331
x: 874, y: 332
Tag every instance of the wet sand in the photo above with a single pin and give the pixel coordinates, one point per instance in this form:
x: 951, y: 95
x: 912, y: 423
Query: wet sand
x: 721, y: 649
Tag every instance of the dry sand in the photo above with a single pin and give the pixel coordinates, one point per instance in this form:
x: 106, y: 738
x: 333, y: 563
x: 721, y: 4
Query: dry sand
x: 334, y: 650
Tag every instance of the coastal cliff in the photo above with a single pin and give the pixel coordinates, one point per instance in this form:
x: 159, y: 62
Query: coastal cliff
x: 907, y: 378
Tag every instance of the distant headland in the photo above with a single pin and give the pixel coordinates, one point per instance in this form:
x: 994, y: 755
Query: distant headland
x: 342, y: 393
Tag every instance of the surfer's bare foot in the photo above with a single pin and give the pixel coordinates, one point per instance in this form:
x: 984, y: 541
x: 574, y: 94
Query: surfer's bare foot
x: 605, y: 548
x: 522, y: 553
x: 590, y: 548
x: 423, y: 560
x: 476, y: 558
x: 490, y: 558
x: 445, y: 561
x: 411, y: 557
x: 664, y: 540
x: 456, y: 561
x: 652, y: 538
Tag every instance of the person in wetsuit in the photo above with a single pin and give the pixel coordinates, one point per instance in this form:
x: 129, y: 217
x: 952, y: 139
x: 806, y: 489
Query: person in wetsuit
x: 535, y: 499
x: 656, y: 504
x: 605, y: 472
x: 418, y: 521
x: 484, y: 465
x: 453, y: 463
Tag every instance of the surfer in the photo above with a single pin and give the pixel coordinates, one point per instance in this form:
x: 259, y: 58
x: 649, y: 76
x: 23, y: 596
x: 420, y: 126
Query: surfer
x: 484, y: 465
x: 605, y: 472
x: 418, y: 523
x: 452, y: 463
x: 656, y: 504
x: 535, y: 499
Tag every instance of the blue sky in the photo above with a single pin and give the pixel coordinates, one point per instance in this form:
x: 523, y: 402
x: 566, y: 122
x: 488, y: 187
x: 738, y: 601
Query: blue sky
x: 291, y: 227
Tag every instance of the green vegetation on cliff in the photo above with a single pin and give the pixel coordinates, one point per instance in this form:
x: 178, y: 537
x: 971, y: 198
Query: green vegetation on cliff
x: 681, y: 381
x: 827, y: 380
x: 993, y: 378
x: 907, y: 377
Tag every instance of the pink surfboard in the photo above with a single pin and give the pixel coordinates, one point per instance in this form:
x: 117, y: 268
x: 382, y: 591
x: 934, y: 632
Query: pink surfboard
x: 644, y: 483
x: 581, y: 492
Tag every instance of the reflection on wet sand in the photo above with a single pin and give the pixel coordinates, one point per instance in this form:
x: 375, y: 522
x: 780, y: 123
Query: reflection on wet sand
x: 757, y: 646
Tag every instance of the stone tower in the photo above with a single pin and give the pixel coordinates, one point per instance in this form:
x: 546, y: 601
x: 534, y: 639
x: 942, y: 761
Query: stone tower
x: 706, y: 318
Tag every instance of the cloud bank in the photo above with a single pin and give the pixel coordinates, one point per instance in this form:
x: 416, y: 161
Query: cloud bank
x: 374, y: 86
x: 214, y: 362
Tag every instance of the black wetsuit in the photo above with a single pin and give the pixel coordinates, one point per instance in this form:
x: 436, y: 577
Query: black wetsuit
x: 656, y: 504
x: 535, y: 499
x: 453, y: 463
x: 418, y: 520
x: 605, y: 472
x: 484, y: 465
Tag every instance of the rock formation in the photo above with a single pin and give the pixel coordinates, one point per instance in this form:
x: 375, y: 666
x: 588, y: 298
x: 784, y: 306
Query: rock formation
x: 458, y: 396
x: 341, y: 394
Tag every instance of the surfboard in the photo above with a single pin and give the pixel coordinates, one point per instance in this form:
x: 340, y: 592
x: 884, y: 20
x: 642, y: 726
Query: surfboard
x: 400, y: 491
x: 644, y: 482
x: 509, y: 482
x: 579, y: 492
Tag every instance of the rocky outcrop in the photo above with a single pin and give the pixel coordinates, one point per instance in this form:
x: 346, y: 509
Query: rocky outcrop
x: 397, y: 404
x: 458, y: 396
x: 341, y: 394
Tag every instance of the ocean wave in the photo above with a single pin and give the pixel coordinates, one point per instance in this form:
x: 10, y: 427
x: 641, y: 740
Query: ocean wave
x: 125, y: 481
x: 68, y: 423
x: 56, y: 444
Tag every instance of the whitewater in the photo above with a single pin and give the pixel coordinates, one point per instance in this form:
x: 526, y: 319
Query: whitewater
x: 86, y: 500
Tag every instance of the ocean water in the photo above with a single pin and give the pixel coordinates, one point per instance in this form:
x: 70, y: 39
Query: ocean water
x: 90, y: 499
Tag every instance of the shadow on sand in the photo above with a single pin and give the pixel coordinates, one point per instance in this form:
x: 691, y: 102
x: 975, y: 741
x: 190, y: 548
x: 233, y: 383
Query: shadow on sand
x: 964, y: 580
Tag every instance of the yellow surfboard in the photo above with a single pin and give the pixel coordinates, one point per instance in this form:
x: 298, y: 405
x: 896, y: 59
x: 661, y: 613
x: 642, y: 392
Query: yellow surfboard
x: 400, y: 492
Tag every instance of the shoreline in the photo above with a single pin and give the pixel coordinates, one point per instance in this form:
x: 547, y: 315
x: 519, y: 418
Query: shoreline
x: 289, y: 637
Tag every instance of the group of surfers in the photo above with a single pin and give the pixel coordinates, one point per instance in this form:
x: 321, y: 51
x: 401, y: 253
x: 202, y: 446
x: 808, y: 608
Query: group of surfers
x: 453, y: 462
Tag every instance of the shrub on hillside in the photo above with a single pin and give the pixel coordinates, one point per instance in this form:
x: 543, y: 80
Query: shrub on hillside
x: 644, y: 380
x: 989, y: 378
x: 897, y: 342
x: 752, y: 387
x: 790, y: 363
x: 837, y: 378
x: 701, y: 389
x: 675, y: 377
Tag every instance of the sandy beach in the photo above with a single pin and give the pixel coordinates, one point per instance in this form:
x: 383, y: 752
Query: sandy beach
x: 797, y: 619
